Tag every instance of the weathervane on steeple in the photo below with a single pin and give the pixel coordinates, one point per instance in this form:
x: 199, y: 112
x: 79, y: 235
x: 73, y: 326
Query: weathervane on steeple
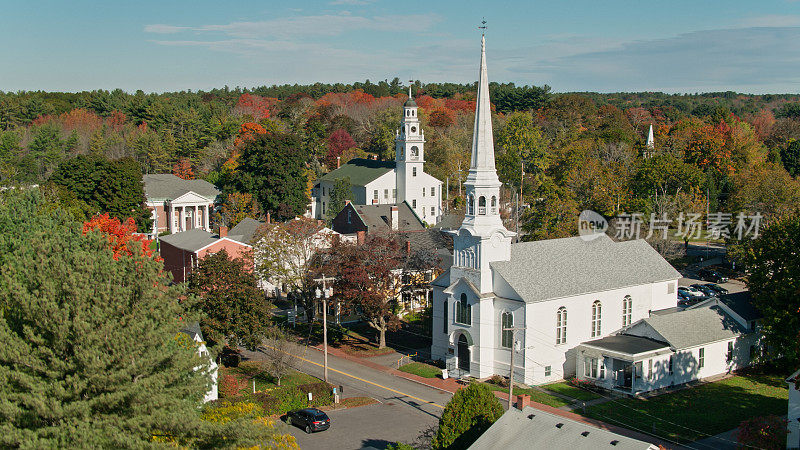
x: 483, y: 26
x: 410, y: 83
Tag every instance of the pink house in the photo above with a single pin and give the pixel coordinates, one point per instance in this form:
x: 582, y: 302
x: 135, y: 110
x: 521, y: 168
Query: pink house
x: 182, y: 251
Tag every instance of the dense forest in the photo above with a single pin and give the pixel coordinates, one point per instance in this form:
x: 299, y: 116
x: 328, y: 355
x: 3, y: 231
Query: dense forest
x: 265, y: 146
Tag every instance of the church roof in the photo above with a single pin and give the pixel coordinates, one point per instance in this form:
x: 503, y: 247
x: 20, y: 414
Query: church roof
x: 558, y: 268
x: 166, y: 186
x: 361, y: 171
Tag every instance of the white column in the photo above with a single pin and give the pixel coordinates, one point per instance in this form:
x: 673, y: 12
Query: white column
x: 169, y: 212
x: 182, y: 223
x: 206, y: 219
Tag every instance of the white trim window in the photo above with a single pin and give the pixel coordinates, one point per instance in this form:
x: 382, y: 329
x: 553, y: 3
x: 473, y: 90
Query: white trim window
x: 627, y: 310
x: 463, y: 311
x: 590, y: 367
x: 506, y: 336
x: 597, y: 313
x: 561, y: 325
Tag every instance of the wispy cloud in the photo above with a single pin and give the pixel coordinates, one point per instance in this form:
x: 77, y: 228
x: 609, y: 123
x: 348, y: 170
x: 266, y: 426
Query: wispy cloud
x: 351, y: 2
x: 774, y: 20
x: 164, y: 29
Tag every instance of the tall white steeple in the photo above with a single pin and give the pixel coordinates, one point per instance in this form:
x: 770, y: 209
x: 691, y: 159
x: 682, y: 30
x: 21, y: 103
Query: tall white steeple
x: 482, y: 237
x: 651, y: 143
x: 409, y: 152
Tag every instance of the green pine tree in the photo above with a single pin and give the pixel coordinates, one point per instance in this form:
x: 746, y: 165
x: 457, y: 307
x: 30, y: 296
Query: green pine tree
x: 92, y: 355
x: 466, y: 416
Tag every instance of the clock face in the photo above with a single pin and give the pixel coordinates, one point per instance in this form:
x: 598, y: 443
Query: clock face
x: 413, y: 129
x: 496, y: 240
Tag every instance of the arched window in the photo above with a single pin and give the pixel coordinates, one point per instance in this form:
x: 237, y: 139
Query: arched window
x: 561, y: 325
x: 482, y: 205
x: 470, y: 205
x: 494, y: 205
x: 597, y: 311
x: 506, y: 336
x: 463, y: 311
x: 414, y: 152
x: 627, y: 308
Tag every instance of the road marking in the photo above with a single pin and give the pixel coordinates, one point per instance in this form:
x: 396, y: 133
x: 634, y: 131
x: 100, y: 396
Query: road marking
x: 426, y: 402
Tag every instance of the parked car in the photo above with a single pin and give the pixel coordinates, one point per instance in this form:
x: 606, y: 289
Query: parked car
x: 683, y: 296
x: 693, y: 293
x: 716, y: 288
x: 711, y: 275
x: 705, y: 290
x: 309, y: 419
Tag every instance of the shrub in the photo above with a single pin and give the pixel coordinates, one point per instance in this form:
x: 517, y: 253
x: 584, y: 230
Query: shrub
x: 284, y: 399
x: 768, y: 432
x: 399, y: 446
x: 468, y: 414
x: 499, y: 380
x: 226, y: 411
x: 228, y: 386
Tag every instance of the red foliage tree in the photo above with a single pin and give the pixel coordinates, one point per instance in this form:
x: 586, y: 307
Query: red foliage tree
x: 119, y: 234
x: 442, y: 117
x: 80, y: 119
x: 339, y: 141
x: 116, y: 120
x: 183, y: 169
x: 768, y: 432
x: 254, y: 106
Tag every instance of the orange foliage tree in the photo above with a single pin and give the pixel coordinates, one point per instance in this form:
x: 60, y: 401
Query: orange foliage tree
x: 183, y: 169
x: 119, y: 234
x: 80, y: 119
x: 254, y: 106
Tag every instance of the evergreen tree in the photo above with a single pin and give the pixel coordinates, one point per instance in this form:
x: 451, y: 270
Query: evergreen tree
x: 92, y: 355
x: 341, y: 192
x: 466, y: 416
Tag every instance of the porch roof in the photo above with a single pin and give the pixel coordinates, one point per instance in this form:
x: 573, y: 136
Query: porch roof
x: 630, y: 345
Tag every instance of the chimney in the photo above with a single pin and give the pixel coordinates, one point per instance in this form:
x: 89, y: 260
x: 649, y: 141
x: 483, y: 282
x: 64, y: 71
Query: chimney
x: 408, y: 247
x: 395, y: 218
x: 361, y: 236
x: 269, y: 217
x: 523, y: 401
x: 223, y: 232
x: 338, y: 161
x: 346, y: 202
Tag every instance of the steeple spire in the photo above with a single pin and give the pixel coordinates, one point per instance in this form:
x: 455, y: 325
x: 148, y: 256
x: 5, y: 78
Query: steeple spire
x: 482, y: 161
x: 650, y: 141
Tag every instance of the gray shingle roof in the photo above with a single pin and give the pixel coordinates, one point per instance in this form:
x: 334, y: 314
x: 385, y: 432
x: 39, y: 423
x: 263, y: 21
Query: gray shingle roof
x: 434, y: 241
x: 536, y: 429
x: 742, y: 304
x: 379, y: 217
x: 557, y: 268
x: 361, y: 171
x: 245, y: 230
x: 632, y: 345
x: 694, y: 327
x: 166, y: 186
x: 191, y: 240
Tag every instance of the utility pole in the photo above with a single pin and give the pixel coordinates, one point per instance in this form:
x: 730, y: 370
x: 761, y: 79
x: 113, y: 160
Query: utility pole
x: 324, y: 294
x: 511, y: 372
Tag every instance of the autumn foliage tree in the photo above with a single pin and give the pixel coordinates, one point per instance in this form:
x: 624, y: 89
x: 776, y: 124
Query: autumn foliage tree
x: 367, y: 277
x: 767, y: 432
x: 183, y: 169
x: 236, y: 207
x: 120, y: 235
x: 339, y: 141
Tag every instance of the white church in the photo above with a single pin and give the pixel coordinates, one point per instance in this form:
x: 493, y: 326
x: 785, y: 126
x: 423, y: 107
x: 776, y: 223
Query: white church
x: 389, y: 182
x: 540, y: 300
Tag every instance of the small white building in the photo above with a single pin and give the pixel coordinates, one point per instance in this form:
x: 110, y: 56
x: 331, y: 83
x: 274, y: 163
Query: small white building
x: 556, y: 294
x: 376, y: 182
x: 670, y: 349
x: 793, y: 438
x: 196, y: 336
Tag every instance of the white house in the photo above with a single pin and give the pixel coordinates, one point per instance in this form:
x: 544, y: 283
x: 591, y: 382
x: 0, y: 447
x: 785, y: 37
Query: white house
x: 671, y: 349
x: 177, y: 204
x: 557, y: 294
x: 389, y: 182
x: 793, y: 438
x: 196, y: 336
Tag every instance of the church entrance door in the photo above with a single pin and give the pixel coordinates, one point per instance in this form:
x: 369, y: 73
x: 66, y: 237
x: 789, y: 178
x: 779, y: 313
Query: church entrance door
x: 463, y: 353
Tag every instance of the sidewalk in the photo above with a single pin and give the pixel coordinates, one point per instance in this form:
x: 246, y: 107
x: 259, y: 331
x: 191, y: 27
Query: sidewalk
x: 449, y: 385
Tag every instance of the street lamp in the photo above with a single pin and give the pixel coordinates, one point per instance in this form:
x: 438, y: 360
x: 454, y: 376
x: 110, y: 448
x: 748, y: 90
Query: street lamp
x: 325, y: 293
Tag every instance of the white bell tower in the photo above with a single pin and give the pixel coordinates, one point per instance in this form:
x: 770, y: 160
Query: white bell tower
x: 409, y: 151
x: 482, y: 237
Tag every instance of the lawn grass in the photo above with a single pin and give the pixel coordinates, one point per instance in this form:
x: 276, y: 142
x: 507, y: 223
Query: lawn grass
x: 569, y: 390
x: 252, y: 370
x: 421, y: 369
x: 535, y: 394
x: 697, y: 412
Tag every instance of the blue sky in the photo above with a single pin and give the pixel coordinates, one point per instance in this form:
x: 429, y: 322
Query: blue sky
x: 579, y: 45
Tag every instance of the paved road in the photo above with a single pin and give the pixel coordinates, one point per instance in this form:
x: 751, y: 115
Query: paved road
x: 406, y: 409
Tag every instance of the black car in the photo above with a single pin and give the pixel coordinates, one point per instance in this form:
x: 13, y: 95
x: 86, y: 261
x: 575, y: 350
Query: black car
x: 705, y: 290
x: 309, y: 419
x: 711, y: 275
x: 716, y: 288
